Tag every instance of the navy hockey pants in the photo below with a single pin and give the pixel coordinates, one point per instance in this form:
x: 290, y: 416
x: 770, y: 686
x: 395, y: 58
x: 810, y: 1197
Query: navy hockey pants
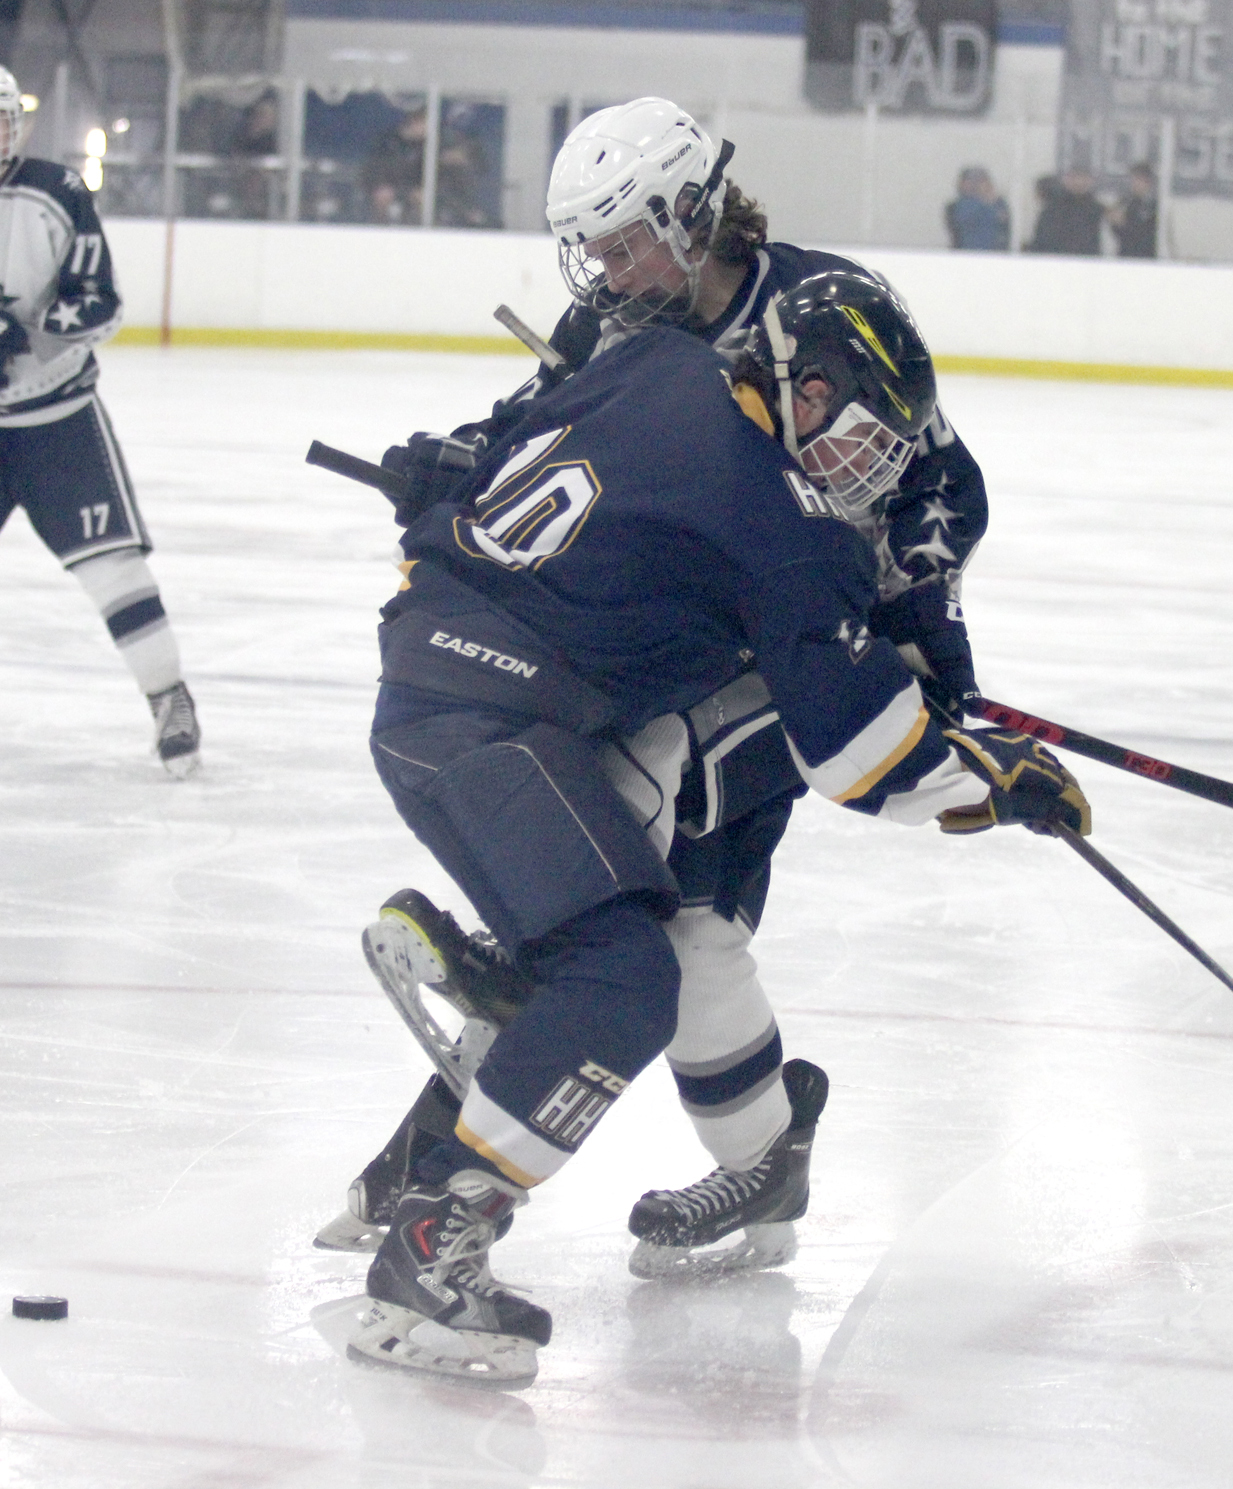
x: 606, y: 973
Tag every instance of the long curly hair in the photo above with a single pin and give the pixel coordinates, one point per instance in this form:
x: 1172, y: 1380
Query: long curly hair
x: 741, y: 230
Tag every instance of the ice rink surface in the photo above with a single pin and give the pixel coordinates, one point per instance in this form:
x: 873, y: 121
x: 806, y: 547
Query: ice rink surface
x: 1018, y: 1265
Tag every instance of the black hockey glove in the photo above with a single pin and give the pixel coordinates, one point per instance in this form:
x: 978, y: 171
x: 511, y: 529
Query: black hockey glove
x: 1028, y: 784
x: 926, y: 618
x: 433, y: 466
x: 13, y: 341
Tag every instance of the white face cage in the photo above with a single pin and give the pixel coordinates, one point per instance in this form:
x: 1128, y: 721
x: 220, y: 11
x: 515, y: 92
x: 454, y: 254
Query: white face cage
x: 640, y: 273
x: 856, y: 460
x: 12, y: 120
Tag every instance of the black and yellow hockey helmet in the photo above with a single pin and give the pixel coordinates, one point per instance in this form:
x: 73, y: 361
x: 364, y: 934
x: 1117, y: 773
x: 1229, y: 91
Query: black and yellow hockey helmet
x: 850, y: 331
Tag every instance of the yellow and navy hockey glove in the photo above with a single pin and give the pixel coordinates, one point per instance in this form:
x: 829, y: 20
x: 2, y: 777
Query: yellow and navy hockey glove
x: 1028, y: 784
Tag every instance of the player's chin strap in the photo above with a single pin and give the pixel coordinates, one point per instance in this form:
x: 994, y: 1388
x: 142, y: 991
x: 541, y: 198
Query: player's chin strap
x: 783, y: 374
x: 726, y: 151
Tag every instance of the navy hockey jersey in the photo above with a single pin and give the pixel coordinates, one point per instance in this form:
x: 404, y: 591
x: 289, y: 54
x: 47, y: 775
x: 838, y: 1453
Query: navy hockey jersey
x: 927, y: 529
x: 661, y: 544
x: 58, y: 298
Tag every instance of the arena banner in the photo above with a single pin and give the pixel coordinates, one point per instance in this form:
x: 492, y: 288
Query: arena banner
x: 903, y: 56
x: 1133, y: 64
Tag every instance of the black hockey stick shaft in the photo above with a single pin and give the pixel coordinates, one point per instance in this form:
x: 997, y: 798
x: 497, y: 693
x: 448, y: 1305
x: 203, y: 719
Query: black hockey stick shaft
x: 1210, y: 788
x: 1138, y: 899
x: 389, y: 482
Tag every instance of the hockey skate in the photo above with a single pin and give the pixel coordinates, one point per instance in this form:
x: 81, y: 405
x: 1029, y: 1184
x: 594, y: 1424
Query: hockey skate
x: 678, y: 1229
x: 177, y: 735
x: 414, y: 945
x: 436, y: 1309
x: 374, y: 1195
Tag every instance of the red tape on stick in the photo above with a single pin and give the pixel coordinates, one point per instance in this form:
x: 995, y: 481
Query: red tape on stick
x: 1193, y: 782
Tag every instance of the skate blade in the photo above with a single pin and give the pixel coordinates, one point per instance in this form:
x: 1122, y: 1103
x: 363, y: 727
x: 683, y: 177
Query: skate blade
x: 183, y: 767
x: 401, y: 959
x: 347, y: 1233
x: 400, y: 1339
x: 769, y: 1245
x: 407, y: 947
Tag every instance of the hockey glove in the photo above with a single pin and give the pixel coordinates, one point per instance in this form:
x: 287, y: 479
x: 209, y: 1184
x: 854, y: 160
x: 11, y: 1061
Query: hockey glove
x: 433, y: 466
x: 13, y: 341
x: 924, y: 620
x: 1027, y: 784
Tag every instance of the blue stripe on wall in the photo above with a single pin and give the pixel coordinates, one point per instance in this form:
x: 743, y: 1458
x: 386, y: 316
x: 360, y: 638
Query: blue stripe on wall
x: 768, y: 17
x: 1031, y: 34
x: 773, y: 17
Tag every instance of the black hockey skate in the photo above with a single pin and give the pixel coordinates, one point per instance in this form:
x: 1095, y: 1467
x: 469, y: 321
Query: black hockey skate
x: 414, y: 945
x: 177, y: 735
x: 764, y: 1201
x: 374, y: 1195
x: 436, y: 1309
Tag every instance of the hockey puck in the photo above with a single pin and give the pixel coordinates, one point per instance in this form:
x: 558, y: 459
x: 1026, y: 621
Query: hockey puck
x: 40, y: 1307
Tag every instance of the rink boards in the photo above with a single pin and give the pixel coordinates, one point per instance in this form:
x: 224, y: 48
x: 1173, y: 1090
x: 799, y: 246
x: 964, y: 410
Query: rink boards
x: 287, y: 284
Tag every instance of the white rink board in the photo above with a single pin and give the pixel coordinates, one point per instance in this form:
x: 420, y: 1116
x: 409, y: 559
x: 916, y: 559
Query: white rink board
x: 279, y: 276
x: 1015, y: 1269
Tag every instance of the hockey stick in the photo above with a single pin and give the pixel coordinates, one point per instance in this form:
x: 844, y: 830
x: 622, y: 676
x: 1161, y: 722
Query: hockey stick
x: 1137, y: 898
x: 1210, y: 788
x: 548, y: 355
x: 388, y: 482
x: 1081, y: 846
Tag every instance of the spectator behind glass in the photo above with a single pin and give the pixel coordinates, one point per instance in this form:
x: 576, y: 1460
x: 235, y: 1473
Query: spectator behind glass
x: 1133, y: 220
x: 978, y: 218
x: 1070, y: 216
x: 256, y: 131
x: 393, y: 173
x: 458, y: 186
x: 255, y: 135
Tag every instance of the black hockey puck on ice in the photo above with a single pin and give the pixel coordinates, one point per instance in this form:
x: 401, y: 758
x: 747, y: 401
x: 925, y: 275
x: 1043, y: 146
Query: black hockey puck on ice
x: 40, y: 1307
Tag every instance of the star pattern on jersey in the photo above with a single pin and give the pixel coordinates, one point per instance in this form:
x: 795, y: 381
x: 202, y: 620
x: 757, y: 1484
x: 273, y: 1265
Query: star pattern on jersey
x: 89, y: 294
x: 934, y: 551
x: 73, y: 182
x: 936, y: 519
x: 937, y: 512
x: 65, y: 314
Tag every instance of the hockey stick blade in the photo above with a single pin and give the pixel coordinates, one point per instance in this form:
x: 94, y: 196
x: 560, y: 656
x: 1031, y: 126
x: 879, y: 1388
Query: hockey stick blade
x: 1140, y: 901
x: 548, y: 355
x: 1210, y: 788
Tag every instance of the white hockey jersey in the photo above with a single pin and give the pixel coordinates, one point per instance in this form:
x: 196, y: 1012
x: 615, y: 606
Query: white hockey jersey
x: 58, y: 298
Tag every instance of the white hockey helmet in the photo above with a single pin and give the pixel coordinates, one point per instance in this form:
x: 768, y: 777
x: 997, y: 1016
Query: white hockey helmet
x: 634, y: 183
x: 12, y: 118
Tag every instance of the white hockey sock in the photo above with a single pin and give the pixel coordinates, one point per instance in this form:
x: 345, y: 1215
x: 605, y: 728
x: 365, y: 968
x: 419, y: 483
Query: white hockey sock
x: 126, y: 595
x: 725, y: 1020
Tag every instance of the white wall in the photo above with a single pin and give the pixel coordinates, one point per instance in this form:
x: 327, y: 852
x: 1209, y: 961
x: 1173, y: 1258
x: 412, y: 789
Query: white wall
x: 276, y: 276
x: 284, y: 276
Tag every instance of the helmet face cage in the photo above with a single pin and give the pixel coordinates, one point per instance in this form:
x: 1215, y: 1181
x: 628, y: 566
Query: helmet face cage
x: 12, y: 119
x: 855, y: 458
x: 655, y: 248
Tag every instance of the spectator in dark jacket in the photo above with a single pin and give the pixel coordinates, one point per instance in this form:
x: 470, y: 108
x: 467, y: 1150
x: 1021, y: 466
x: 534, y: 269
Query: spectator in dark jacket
x: 393, y: 173
x: 1133, y: 220
x: 1070, y: 216
x: 978, y: 218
